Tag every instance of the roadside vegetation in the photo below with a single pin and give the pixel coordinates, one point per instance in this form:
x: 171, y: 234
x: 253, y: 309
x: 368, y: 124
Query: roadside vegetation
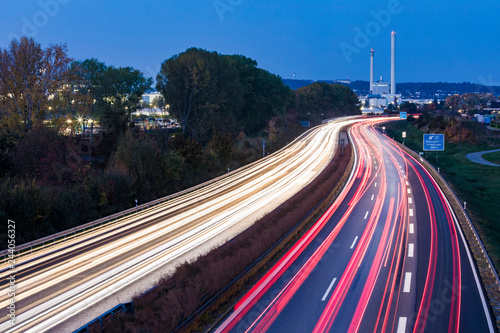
x: 477, y: 185
x: 492, y: 157
x: 177, y: 297
x: 54, y: 175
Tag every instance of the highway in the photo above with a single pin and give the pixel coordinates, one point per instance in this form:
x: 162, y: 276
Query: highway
x: 56, y: 284
x: 387, y: 256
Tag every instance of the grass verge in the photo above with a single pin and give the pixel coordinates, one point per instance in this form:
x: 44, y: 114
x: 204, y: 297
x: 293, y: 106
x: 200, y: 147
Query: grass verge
x: 493, y: 157
x: 477, y: 185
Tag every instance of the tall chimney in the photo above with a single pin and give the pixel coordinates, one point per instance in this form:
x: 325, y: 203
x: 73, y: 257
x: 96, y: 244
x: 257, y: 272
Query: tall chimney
x: 371, y: 71
x: 393, y: 63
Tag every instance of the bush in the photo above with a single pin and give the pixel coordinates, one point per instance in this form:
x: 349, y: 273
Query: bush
x: 177, y: 297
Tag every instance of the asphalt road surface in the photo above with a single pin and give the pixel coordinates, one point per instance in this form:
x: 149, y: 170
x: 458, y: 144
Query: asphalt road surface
x: 57, y: 283
x: 387, y: 256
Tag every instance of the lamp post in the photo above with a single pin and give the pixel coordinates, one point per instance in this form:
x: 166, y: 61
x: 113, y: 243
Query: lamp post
x: 70, y: 127
x: 80, y: 120
x: 91, y: 122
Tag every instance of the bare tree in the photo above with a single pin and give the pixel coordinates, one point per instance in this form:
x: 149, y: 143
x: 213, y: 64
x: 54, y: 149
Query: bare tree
x: 30, y: 77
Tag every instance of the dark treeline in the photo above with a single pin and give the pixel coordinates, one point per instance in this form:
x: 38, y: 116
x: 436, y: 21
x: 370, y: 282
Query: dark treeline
x: 52, y: 179
x: 426, y: 89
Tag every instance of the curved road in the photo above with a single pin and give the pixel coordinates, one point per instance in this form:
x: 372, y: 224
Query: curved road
x: 387, y: 256
x: 478, y: 157
x: 57, y: 283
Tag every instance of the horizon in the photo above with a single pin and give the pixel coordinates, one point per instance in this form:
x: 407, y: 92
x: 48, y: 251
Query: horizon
x: 310, y: 40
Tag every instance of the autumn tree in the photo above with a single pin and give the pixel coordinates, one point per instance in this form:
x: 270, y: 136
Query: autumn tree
x: 30, y: 77
x: 468, y: 101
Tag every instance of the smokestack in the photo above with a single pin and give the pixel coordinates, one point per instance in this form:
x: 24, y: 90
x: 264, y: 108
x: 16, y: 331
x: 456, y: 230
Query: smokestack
x: 371, y: 71
x: 393, y: 63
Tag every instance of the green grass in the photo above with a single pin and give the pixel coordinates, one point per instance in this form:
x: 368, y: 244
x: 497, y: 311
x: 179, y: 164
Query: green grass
x: 492, y: 157
x: 478, y: 185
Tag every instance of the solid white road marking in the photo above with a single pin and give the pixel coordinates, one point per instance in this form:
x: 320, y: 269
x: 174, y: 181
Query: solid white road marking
x: 410, y: 250
x: 406, y: 288
x: 354, y: 242
x: 402, y: 325
x: 410, y: 200
x: 329, y: 288
x: 411, y: 212
x: 366, y: 215
x: 411, y: 228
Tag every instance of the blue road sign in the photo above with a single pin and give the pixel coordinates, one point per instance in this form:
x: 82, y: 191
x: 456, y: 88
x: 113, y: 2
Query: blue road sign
x: 403, y: 115
x: 434, y: 142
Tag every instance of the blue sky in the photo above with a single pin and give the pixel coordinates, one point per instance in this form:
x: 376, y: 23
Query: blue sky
x: 443, y: 40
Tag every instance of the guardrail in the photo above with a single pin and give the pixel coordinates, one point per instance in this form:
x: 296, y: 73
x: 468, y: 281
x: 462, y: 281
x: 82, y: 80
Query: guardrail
x: 123, y: 308
x: 65, y: 235
x: 486, y: 269
x: 278, y: 246
x: 129, y: 307
x: 87, y: 227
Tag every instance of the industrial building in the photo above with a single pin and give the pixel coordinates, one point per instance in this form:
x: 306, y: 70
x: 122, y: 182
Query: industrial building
x: 382, y: 93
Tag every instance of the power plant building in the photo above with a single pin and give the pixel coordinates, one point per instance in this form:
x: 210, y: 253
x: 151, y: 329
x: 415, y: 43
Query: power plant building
x: 383, y: 93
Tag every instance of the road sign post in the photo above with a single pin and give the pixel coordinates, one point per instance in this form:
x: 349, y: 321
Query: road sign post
x: 434, y: 142
x: 404, y: 136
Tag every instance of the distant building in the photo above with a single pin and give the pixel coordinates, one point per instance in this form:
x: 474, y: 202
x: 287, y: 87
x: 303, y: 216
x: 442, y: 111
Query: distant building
x: 149, y: 98
x: 382, y: 93
x: 493, y: 107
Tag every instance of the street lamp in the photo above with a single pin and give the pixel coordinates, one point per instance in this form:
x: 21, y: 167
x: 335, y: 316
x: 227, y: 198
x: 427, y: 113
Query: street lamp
x: 91, y: 122
x: 80, y: 120
x: 69, y: 124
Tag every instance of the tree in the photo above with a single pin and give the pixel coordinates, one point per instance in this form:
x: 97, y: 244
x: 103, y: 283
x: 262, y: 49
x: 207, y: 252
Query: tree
x: 264, y: 94
x: 203, y: 91
x: 412, y: 108
x: 41, y: 154
x: 468, y: 101
x: 158, y: 102
x: 321, y: 100
x: 116, y: 91
x: 29, y: 77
